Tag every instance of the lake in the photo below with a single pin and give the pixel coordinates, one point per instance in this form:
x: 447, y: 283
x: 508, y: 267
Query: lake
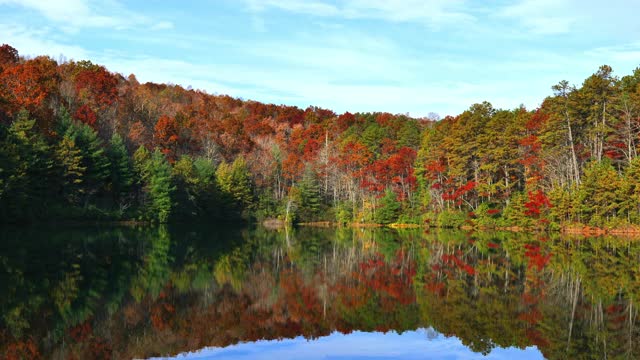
x: 226, y: 292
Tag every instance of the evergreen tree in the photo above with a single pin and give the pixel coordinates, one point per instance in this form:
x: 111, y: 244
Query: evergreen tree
x: 309, y: 193
x: 598, y: 192
x: 562, y: 200
x: 26, y: 165
x: 388, y: 210
x: 515, y: 212
x: 121, y: 167
x: 159, y: 187
x: 235, y: 184
x: 140, y: 159
x: 69, y: 161
x: 94, y: 158
x: 207, y: 193
x: 629, y: 192
x: 186, y: 188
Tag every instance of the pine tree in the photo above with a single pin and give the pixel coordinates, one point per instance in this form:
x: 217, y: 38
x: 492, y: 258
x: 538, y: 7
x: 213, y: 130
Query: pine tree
x: 186, y: 184
x: 159, y: 187
x: 389, y: 208
x: 310, y: 201
x: 121, y: 167
x: 26, y: 163
x: 94, y: 158
x: 629, y: 191
x: 69, y: 161
x: 235, y: 184
x: 206, y: 191
x: 515, y: 212
x: 140, y: 159
x: 598, y: 192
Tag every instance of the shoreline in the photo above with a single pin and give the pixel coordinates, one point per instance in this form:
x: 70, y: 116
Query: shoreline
x: 576, y: 229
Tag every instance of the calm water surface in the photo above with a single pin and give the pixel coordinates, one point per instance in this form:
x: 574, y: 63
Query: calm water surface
x: 220, y: 292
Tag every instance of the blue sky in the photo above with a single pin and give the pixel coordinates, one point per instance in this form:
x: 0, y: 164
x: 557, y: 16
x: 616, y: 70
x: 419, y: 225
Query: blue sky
x: 413, y: 56
x: 411, y: 345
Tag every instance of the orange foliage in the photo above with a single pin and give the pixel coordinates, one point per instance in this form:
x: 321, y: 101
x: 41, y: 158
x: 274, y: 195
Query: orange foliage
x: 28, y: 85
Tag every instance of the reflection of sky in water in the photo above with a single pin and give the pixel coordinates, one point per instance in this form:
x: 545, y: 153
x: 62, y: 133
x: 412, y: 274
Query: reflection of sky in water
x: 420, y: 344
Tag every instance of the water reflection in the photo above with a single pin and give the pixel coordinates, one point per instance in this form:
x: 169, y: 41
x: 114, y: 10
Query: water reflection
x: 419, y: 344
x: 115, y: 293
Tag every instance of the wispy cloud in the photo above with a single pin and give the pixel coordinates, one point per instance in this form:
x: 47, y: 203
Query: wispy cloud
x: 74, y: 15
x: 349, y: 55
x: 540, y: 16
x: 305, y: 7
x: 39, y: 41
x: 163, y: 25
x: 629, y: 52
x: 432, y: 13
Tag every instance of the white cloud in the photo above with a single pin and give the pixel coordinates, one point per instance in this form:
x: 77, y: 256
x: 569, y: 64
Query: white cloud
x: 73, y: 15
x: 580, y: 17
x: 32, y: 42
x: 540, y: 16
x: 163, y: 25
x: 304, y: 7
x: 432, y: 13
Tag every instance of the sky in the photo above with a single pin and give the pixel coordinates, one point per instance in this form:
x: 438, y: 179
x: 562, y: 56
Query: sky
x: 410, y: 345
x: 412, y: 56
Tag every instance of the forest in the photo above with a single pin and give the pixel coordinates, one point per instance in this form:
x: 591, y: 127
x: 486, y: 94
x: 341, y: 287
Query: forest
x: 81, y: 143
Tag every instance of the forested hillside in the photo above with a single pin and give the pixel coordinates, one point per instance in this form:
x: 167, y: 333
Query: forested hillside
x: 78, y: 142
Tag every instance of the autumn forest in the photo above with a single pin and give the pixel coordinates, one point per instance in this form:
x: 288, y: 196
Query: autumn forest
x: 79, y: 142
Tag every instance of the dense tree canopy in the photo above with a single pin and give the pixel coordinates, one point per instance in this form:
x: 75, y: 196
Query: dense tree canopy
x: 74, y: 136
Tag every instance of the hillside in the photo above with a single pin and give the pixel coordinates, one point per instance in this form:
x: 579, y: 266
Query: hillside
x: 79, y: 142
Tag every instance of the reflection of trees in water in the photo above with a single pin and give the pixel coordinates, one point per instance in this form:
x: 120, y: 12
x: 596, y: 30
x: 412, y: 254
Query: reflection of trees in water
x: 154, y: 291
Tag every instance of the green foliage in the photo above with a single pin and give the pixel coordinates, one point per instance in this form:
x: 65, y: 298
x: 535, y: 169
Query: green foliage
x: 25, y: 164
x: 69, y: 160
x: 121, y: 167
x: 234, y: 182
x: 94, y: 157
x: 344, y: 212
x: 487, y: 216
x: 372, y: 137
x: 154, y: 177
x: 451, y: 219
x: 563, y: 201
x: 409, y: 134
x: 598, y: 193
x: 389, y: 208
x: 515, y: 212
x: 197, y: 194
x: 629, y: 192
x: 267, y: 206
x: 309, y: 203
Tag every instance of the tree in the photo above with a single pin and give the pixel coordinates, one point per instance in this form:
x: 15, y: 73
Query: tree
x: 159, y: 187
x: 27, y: 86
x: 121, y: 177
x: 94, y: 157
x: 8, y: 56
x: 140, y: 158
x: 594, y: 103
x: 26, y: 161
x: 629, y: 191
x: 309, y: 194
x: 166, y: 135
x: 234, y: 182
x: 69, y: 160
x: 598, y: 192
x: 389, y: 208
